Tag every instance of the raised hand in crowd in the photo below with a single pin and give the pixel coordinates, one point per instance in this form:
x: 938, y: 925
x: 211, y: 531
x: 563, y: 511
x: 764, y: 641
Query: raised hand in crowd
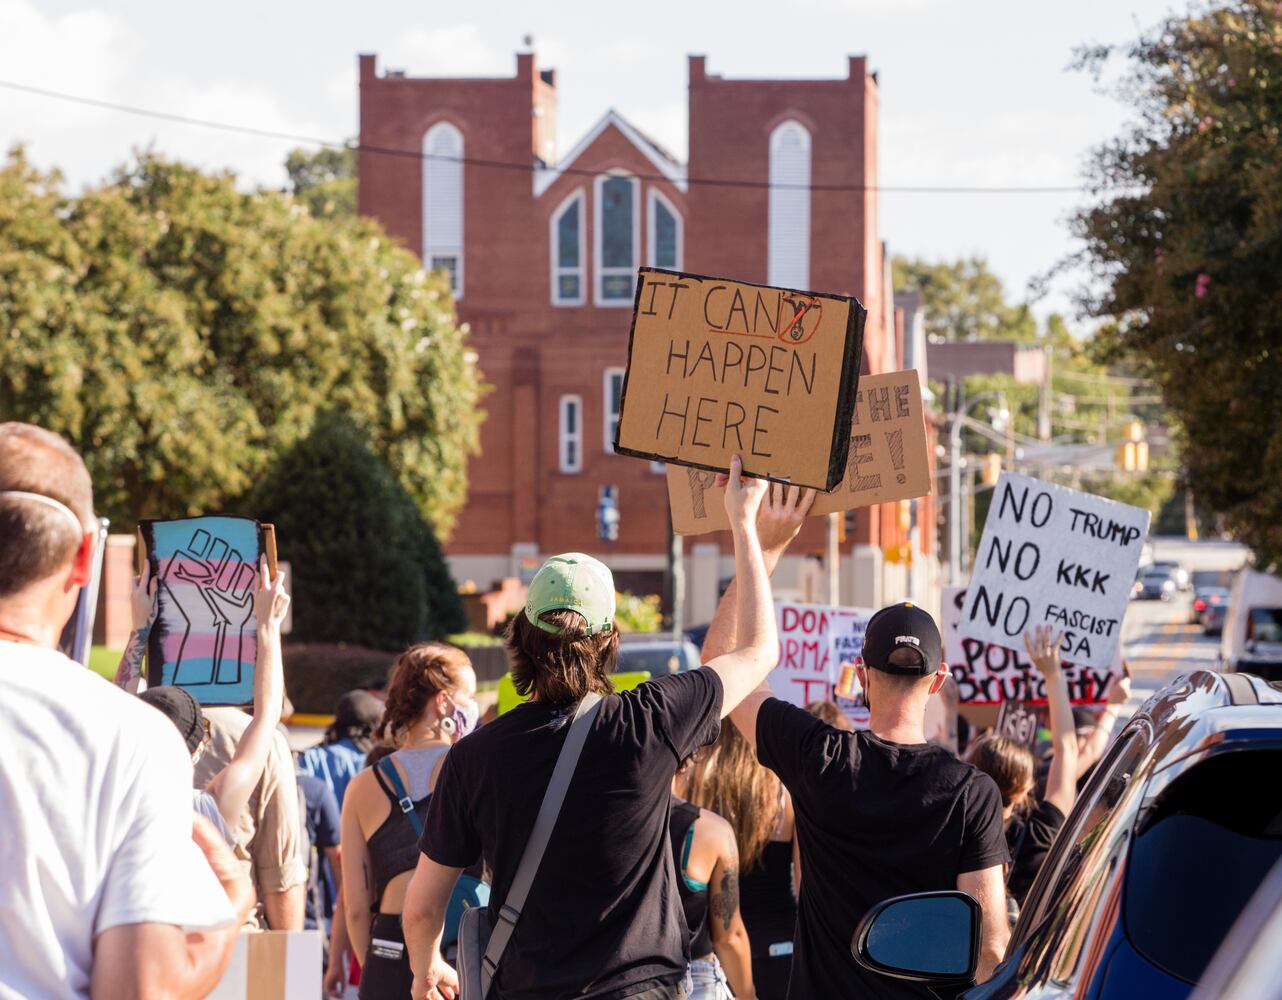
x: 744, y: 661
x: 1043, y: 645
x: 780, y: 516
x: 142, y: 603
x: 234, y: 784
x: 1092, y: 744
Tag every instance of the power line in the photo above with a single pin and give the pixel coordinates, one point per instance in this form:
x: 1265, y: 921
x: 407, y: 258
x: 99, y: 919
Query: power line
x: 415, y: 154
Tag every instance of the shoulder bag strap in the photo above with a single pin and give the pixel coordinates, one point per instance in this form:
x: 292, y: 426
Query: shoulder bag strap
x: 553, y: 799
x: 403, y: 799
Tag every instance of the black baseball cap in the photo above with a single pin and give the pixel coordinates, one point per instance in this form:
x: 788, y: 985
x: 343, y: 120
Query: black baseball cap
x: 903, y: 626
x: 181, y: 709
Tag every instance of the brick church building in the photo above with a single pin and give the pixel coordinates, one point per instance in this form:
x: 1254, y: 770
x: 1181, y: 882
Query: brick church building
x: 542, y: 249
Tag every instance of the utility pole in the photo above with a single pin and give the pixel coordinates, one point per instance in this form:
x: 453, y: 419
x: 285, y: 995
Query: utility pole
x: 954, y: 485
x: 676, y: 580
x: 1044, y: 398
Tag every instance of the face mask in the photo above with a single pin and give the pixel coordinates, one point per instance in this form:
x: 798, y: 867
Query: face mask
x: 465, y: 718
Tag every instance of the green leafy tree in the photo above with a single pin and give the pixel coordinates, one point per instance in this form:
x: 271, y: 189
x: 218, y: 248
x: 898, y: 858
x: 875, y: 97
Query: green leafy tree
x: 366, y: 567
x: 1185, y: 245
x: 964, y: 300
x: 184, y: 335
x: 635, y: 613
x: 325, y: 179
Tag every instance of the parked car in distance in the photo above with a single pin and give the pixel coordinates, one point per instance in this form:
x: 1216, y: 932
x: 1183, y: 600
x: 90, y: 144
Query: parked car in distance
x: 1154, y: 585
x: 1176, y: 570
x: 1213, y: 619
x: 656, y: 653
x: 1251, y: 636
x: 1204, y: 599
x: 1161, y: 855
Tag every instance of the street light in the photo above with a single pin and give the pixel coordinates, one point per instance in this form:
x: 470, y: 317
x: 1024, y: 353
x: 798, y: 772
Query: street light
x: 954, y: 480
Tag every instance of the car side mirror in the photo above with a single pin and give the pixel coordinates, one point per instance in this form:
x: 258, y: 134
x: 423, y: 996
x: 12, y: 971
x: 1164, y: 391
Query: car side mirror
x: 928, y: 937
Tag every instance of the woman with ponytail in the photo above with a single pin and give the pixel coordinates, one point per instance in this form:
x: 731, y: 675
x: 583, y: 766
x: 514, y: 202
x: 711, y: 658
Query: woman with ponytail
x: 728, y: 781
x: 431, y: 703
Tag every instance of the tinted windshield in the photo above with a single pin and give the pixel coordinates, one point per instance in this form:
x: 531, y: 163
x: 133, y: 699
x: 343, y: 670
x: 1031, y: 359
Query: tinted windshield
x: 1265, y: 625
x: 1201, y: 854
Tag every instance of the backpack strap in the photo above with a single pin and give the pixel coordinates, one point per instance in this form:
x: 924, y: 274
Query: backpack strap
x: 403, y: 800
x: 553, y: 799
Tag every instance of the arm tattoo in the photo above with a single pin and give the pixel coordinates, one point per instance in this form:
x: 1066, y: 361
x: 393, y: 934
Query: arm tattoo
x: 725, y: 902
x: 131, y: 660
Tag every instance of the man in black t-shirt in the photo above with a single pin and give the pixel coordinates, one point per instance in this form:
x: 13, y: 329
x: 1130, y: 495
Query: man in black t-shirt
x: 880, y: 813
x: 603, y: 918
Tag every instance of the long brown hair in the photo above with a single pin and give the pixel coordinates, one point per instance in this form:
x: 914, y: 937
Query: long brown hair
x: 420, y: 673
x: 560, y: 669
x: 1008, y: 763
x: 727, y: 780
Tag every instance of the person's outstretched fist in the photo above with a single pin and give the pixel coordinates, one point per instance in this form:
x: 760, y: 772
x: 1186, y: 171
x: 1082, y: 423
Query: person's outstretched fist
x: 743, y: 496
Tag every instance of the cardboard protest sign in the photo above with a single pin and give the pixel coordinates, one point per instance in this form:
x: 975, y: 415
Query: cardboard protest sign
x: 807, y: 669
x: 888, y: 459
x: 719, y: 367
x: 1022, y: 722
x: 273, y: 965
x: 1054, y: 556
x: 205, y: 634
x: 988, y: 674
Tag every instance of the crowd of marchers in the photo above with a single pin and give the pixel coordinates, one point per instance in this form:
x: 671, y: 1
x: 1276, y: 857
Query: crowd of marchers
x: 695, y: 837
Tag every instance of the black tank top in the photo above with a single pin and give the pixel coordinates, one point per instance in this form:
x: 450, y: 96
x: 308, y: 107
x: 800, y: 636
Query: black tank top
x: 694, y: 901
x: 393, y: 847
x: 766, y: 900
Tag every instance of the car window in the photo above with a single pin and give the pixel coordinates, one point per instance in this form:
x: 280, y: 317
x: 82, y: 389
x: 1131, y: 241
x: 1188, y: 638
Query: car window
x: 658, y: 660
x: 1264, y: 625
x: 1054, y: 886
x: 1212, y: 837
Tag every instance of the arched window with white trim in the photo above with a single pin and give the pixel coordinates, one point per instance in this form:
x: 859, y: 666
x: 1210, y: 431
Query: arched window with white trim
x: 618, y: 238
x: 568, y: 251
x: 666, y: 232
x: 443, y: 203
x: 789, y: 236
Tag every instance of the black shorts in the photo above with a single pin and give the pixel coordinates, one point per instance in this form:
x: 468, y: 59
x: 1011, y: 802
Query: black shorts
x: 386, y: 970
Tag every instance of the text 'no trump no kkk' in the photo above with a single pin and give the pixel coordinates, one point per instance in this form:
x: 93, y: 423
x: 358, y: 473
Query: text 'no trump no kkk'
x: 887, y: 461
x: 718, y: 368
x: 1054, y: 556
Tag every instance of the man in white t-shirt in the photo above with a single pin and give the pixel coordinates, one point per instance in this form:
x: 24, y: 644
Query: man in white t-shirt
x: 106, y: 888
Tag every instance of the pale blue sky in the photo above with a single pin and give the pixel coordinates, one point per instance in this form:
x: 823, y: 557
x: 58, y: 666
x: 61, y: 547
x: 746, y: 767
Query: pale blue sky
x: 973, y: 93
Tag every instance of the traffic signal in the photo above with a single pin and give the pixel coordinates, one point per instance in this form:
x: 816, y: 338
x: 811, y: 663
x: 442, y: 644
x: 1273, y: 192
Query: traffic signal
x: 607, y: 514
x: 1132, y: 456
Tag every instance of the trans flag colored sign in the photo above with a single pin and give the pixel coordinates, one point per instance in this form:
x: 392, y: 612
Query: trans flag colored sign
x: 205, y: 635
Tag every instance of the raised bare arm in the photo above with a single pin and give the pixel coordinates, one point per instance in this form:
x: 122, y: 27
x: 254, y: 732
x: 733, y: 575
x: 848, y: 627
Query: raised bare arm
x: 1061, y: 782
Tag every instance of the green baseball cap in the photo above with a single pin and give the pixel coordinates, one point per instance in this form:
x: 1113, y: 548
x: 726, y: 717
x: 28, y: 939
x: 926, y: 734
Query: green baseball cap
x: 572, y: 582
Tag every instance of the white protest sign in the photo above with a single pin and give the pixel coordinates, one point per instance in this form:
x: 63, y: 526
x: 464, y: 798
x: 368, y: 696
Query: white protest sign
x: 1054, y: 556
x: 806, y: 669
x: 987, y: 674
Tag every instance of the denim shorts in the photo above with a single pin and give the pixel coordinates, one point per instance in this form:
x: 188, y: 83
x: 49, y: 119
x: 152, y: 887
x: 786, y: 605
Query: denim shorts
x: 709, y: 980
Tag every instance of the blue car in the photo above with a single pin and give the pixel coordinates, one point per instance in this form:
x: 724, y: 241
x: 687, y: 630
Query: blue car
x: 1179, y: 825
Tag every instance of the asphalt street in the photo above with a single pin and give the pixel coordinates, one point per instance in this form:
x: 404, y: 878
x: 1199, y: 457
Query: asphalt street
x: 1159, y: 641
